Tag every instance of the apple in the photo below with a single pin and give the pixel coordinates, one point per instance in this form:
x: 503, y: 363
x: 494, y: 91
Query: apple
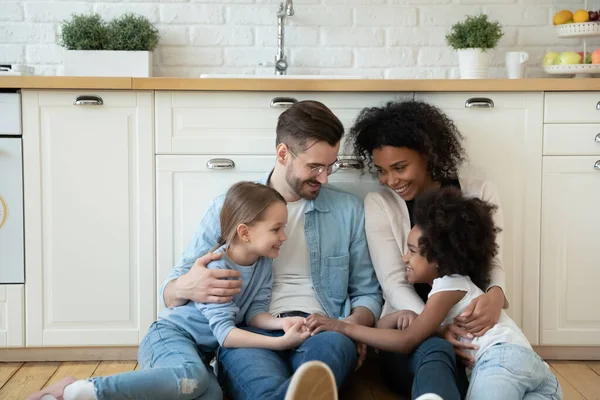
x: 550, y: 57
x: 567, y: 57
x: 596, y: 57
x: 588, y: 58
x: 593, y: 15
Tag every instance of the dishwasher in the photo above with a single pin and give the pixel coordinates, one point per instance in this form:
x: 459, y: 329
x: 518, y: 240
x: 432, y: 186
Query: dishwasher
x: 12, y: 248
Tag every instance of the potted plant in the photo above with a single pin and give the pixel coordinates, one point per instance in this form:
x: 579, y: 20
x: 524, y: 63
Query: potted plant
x: 472, y: 38
x: 123, y: 47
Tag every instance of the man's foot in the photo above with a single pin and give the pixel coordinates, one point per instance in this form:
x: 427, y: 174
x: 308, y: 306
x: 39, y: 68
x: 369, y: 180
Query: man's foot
x: 53, y: 392
x: 312, y: 381
x: 429, y: 396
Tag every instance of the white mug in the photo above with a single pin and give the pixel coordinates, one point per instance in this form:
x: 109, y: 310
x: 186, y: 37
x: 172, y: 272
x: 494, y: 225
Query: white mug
x: 515, y: 64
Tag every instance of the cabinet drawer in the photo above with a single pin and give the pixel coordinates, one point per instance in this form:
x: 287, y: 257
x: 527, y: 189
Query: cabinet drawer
x: 572, y: 140
x: 572, y: 107
x: 241, y: 122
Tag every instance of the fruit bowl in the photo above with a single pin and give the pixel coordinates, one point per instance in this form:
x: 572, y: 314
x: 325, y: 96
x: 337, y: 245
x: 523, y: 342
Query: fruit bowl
x: 573, y: 69
x: 580, y: 29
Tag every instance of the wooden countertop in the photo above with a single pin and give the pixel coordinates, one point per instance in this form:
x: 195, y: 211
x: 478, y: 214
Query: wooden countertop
x: 307, y: 85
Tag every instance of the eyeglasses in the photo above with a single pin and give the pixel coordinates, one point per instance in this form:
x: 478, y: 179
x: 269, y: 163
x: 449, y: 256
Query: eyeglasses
x: 316, y: 171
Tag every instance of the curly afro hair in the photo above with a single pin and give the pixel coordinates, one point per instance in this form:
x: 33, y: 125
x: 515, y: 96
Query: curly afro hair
x: 413, y: 124
x: 458, y: 233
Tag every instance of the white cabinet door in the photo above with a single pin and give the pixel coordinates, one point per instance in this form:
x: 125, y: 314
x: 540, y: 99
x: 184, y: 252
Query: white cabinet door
x: 570, y: 257
x: 186, y: 186
x: 504, y: 145
x: 243, y: 122
x: 11, y: 316
x: 89, y: 207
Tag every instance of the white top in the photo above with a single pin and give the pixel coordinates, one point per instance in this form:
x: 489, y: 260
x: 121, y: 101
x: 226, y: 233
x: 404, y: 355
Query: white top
x: 505, y: 330
x: 292, y: 283
x: 387, y: 225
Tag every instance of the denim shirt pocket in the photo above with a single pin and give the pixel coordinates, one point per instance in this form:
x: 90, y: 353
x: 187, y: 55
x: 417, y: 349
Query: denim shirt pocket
x: 338, y: 271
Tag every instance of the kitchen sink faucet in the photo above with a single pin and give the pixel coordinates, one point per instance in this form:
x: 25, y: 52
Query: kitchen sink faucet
x: 286, y: 9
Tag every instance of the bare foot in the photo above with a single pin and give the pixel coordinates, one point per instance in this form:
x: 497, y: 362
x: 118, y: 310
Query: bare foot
x: 56, y: 390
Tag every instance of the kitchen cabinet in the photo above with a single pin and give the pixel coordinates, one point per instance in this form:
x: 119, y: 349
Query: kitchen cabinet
x: 242, y: 122
x: 185, y: 186
x: 89, y: 206
x: 570, y: 217
x: 503, y: 141
x: 12, y: 313
x: 570, y: 257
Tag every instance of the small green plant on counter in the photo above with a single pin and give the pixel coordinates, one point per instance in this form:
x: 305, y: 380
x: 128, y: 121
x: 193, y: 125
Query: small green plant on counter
x: 133, y: 33
x: 129, y: 32
x: 84, y: 32
x: 475, y: 32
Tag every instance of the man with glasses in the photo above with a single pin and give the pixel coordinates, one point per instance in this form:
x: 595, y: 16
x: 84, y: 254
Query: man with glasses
x: 323, y: 268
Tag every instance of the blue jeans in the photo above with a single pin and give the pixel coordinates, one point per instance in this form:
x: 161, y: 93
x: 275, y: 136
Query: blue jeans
x: 431, y: 368
x: 172, y: 368
x: 260, y: 374
x: 507, y: 371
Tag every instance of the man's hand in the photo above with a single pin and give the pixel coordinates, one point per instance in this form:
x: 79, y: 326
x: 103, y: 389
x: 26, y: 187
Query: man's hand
x: 405, y: 318
x: 204, y: 285
x: 483, y: 312
x: 453, y: 333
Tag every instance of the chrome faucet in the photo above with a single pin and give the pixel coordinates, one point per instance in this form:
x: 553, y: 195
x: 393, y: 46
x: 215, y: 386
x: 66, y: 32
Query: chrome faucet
x: 286, y: 9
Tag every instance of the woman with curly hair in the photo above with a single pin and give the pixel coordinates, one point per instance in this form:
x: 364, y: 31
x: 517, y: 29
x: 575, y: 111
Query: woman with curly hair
x: 413, y: 146
x: 451, y: 248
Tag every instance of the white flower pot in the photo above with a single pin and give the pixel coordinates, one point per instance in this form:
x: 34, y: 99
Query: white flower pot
x: 108, y: 63
x: 473, y: 63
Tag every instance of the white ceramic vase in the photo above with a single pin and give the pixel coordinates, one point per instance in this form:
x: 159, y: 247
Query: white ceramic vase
x: 108, y: 63
x: 473, y: 63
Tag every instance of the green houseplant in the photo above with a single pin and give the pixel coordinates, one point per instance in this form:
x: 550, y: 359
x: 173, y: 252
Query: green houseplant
x: 121, y: 47
x: 473, y: 38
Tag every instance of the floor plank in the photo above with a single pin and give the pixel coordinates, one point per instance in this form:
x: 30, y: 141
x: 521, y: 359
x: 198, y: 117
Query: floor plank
x: 79, y: 370
x: 30, y: 378
x: 595, y: 366
x: 569, y: 392
x: 114, y: 367
x: 7, y: 370
x: 137, y: 367
x: 581, y: 377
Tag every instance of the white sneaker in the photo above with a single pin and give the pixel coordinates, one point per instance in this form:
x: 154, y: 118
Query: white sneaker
x: 312, y: 381
x: 429, y: 396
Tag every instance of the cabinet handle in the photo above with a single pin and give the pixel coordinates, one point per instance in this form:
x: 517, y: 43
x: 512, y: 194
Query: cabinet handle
x: 220, y: 163
x: 597, y: 165
x: 88, y: 101
x: 479, y: 102
x: 283, y: 102
x: 350, y: 164
x: 597, y: 139
x: 598, y: 105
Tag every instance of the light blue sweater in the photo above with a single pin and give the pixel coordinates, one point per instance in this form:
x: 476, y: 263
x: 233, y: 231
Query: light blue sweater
x: 209, y: 324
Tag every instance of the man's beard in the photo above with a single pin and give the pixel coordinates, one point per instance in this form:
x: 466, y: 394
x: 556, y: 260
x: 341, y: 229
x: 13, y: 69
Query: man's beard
x: 299, y: 187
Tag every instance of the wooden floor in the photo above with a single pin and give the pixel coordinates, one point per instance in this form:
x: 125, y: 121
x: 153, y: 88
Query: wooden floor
x: 579, y: 380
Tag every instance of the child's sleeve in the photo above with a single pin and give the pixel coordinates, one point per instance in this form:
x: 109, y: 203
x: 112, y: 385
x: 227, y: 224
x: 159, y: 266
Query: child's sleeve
x: 260, y: 303
x: 449, y: 283
x: 221, y: 317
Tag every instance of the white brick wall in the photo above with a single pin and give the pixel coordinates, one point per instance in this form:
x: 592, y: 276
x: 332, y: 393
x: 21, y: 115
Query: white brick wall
x: 374, y: 38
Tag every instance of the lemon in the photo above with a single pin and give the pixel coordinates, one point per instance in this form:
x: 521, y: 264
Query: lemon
x: 562, y: 17
x: 581, y: 16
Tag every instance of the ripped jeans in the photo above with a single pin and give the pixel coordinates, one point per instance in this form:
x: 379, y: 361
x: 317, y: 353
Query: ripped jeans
x: 172, y: 368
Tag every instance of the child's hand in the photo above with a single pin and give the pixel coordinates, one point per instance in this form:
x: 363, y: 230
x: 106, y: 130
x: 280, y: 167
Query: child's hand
x: 405, y: 318
x: 289, y: 322
x: 295, y: 336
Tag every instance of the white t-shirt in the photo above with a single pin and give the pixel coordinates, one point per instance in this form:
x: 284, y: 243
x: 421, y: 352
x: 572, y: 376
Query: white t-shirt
x: 292, y: 282
x: 505, y: 330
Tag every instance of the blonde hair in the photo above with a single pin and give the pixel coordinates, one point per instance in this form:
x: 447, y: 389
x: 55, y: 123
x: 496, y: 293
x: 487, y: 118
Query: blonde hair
x: 245, y: 203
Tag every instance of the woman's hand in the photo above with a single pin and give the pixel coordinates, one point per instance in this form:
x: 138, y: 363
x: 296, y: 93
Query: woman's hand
x: 294, y: 336
x: 453, y: 333
x: 318, y: 323
x: 288, y: 322
x: 405, y: 318
x: 483, y: 312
